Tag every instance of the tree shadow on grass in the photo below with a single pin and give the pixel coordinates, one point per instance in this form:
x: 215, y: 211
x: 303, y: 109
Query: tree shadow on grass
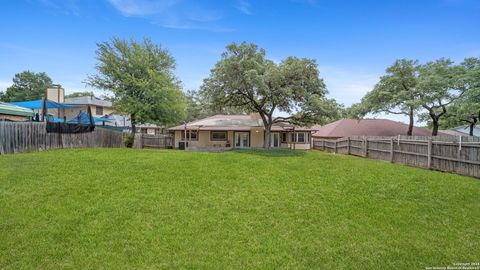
x: 272, y: 152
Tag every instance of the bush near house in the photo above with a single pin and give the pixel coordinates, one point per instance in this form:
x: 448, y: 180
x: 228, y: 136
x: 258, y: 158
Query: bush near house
x: 124, y: 209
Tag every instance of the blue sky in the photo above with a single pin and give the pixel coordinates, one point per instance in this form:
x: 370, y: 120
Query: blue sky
x: 352, y: 41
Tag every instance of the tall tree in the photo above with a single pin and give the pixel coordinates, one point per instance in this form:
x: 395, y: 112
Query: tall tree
x: 27, y: 85
x: 439, y: 86
x: 196, y: 109
x: 246, y: 80
x: 466, y: 109
x: 395, y: 93
x: 140, y: 77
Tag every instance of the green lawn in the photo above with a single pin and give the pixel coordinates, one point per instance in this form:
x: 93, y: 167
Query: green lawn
x: 131, y: 209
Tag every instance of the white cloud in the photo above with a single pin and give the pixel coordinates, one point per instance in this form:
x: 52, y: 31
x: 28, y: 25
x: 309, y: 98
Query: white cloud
x: 175, y: 14
x: 65, y: 7
x: 244, y: 7
x: 142, y: 7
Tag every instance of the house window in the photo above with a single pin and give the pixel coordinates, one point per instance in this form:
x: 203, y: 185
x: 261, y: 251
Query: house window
x: 284, y: 137
x: 192, y: 135
x: 99, y: 110
x: 218, y: 135
x: 299, y: 137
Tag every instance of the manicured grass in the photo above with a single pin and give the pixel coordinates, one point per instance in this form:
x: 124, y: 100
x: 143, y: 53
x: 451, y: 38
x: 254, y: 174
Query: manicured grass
x: 132, y: 209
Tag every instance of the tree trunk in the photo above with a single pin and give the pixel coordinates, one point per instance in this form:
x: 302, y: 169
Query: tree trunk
x: 410, y: 124
x: 472, y: 126
x: 134, y: 128
x: 266, y: 141
x: 435, y: 127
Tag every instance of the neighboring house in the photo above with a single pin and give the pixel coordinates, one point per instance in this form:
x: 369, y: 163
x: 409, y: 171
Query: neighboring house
x: 98, y: 107
x: 238, y: 131
x: 365, y: 127
x: 79, y: 105
x: 123, y: 123
x: 10, y: 112
x: 151, y: 129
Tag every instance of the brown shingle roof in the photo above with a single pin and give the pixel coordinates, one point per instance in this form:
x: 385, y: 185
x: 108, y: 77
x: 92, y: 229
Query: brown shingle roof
x: 366, y: 127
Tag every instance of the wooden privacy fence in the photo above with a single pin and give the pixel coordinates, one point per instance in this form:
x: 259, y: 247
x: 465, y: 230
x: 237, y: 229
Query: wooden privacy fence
x: 164, y: 141
x: 17, y: 137
x: 458, y: 154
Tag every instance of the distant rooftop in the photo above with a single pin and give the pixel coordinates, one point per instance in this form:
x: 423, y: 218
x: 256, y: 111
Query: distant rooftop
x: 366, y: 127
x: 466, y: 130
x: 88, y: 100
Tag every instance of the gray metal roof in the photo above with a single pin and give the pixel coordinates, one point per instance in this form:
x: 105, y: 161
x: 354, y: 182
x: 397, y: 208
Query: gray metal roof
x: 88, y: 100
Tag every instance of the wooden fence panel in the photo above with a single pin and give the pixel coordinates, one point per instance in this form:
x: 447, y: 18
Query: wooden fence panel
x: 32, y: 136
x: 455, y: 154
x: 163, y: 141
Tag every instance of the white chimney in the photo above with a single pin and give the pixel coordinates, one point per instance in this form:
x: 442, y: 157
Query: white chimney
x: 56, y: 93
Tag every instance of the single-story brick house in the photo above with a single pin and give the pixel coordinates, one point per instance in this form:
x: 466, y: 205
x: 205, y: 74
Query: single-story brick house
x: 238, y: 131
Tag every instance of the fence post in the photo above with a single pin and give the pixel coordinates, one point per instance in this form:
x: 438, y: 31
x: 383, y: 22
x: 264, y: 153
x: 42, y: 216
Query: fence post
x: 335, y: 149
x: 391, y: 150
x: 459, y: 153
x: 365, y: 147
x: 429, y: 153
x: 141, y: 140
x: 348, y: 145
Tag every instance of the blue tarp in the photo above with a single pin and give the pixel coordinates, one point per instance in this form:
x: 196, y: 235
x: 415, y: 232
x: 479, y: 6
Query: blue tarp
x: 53, y: 119
x: 37, y: 104
x: 84, y: 119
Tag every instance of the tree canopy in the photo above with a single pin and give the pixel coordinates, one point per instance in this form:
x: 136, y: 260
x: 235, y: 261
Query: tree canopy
x: 246, y: 80
x: 27, y: 85
x: 198, y: 107
x: 437, y: 92
x: 466, y: 109
x: 439, y: 86
x: 140, y: 77
x: 394, y: 93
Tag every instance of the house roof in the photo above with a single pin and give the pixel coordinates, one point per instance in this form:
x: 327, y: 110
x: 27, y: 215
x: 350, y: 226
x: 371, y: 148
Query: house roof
x: 466, y: 130
x: 88, y: 100
x: 231, y: 122
x: 12, y: 109
x: 453, y: 132
x: 366, y: 127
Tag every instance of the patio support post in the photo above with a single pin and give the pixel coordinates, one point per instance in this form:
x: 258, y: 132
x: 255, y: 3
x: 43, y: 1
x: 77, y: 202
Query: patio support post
x: 185, y: 140
x: 294, y: 138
